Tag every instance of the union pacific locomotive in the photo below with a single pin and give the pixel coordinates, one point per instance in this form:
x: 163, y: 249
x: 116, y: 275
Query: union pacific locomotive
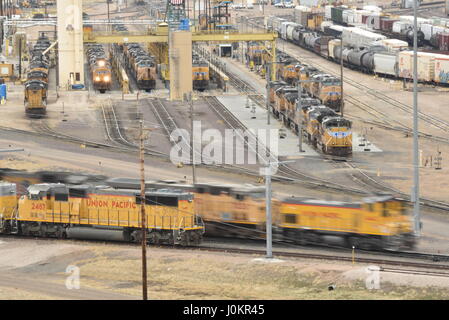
x: 48, y: 209
x: 99, y: 68
x: 51, y: 209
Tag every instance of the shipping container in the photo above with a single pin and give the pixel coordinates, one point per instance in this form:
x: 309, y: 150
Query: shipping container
x: 393, y: 45
x: 386, y: 24
x: 300, y: 14
x: 443, y: 41
x: 441, y: 68
x: 358, y: 38
x: 385, y: 63
x: 401, y: 26
x: 337, y: 14
x: 426, y: 65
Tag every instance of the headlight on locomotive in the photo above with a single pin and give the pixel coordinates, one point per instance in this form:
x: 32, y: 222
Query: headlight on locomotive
x: 106, y: 78
x: 97, y: 78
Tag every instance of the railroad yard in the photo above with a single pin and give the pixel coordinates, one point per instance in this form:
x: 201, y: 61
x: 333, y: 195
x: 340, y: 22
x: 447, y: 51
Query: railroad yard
x: 100, y: 97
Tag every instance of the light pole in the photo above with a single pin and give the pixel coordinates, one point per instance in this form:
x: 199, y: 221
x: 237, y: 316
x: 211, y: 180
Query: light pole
x: 342, y: 104
x: 415, y: 195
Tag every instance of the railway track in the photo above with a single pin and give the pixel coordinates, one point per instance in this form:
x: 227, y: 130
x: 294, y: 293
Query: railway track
x: 429, y: 119
x: 114, y: 131
x: 428, y: 263
x: 370, y: 184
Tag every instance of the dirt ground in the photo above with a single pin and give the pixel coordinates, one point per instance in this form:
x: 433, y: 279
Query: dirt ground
x: 113, y: 271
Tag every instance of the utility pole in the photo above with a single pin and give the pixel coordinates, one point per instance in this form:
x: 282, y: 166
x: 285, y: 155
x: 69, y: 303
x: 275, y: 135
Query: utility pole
x: 342, y: 104
x: 415, y: 195
x: 143, y: 217
x: 268, y: 209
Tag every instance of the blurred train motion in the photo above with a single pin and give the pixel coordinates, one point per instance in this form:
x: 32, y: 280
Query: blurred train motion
x: 378, y: 222
x: 36, y: 86
x: 99, y: 67
x: 51, y: 209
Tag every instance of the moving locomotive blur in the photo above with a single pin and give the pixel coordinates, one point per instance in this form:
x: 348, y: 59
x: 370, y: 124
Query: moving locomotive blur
x: 51, y: 209
x: 379, y: 222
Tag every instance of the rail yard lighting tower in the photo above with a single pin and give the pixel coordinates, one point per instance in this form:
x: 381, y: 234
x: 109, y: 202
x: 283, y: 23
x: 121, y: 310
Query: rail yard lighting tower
x: 415, y: 192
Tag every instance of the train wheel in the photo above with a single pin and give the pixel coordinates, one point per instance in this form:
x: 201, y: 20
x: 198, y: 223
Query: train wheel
x: 155, y: 238
x: 185, y: 239
x: 127, y: 235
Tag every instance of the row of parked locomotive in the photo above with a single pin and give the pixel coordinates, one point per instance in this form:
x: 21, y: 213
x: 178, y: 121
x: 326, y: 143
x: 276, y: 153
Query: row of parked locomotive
x: 36, y: 86
x: 99, y: 67
x: 324, y: 128
x: 364, y: 50
x: 139, y: 64
x: 48, y: 209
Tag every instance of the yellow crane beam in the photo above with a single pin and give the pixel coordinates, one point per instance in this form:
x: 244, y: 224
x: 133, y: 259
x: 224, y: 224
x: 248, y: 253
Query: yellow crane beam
x: 201, y: 37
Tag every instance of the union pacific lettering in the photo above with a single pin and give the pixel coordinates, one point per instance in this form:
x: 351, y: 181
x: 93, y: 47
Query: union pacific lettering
x: 111, y: 204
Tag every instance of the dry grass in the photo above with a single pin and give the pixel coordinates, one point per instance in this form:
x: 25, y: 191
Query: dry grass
x: 211, y: 276
x: 18, y: 294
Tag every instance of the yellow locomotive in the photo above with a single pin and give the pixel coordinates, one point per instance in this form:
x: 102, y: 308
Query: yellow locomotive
x: 254, y: 54
x: 141, y: 65
x: 327, y: 88
x: 200, y: 74
x: 379, y: 222
x: 51, y: 209
x: 99, y: 68
x: 36, y: 86
x: 35, y: 97
x: 327, y: 131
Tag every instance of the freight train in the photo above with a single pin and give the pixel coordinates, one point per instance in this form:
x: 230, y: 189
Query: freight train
x: 36, y: 86
x: 51, y: 209
x: 99, y: 67
x: 378, y: 222
x: 366, y: 51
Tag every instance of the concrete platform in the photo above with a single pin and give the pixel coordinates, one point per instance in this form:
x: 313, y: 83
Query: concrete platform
x: 288, y: 146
